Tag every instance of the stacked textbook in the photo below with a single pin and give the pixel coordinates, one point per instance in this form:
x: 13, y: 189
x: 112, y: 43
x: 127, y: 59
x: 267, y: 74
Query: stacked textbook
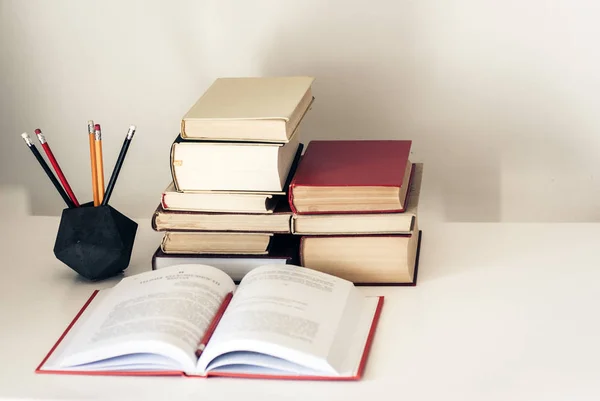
x: 231, y: 165
x: 355, y: 208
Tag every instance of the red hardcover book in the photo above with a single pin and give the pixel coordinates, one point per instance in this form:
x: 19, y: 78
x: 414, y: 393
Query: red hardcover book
x: 184, y: 320
x: 360, y: 176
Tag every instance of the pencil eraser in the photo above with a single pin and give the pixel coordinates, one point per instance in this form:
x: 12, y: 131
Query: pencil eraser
x: 38, y: 131
x: 132, y: 127
x: 27, y: 139
x: 97, y: 126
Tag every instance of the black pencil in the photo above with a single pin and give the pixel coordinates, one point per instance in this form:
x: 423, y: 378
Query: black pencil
x: 117, y: 169
x: 49, y: 173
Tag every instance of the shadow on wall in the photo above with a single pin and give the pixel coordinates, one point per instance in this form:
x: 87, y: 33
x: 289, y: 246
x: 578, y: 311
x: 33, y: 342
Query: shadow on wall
x: 377, y: 92
x: 477, y: 142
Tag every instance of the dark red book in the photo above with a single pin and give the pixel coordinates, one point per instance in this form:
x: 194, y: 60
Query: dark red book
x: 360, y: 176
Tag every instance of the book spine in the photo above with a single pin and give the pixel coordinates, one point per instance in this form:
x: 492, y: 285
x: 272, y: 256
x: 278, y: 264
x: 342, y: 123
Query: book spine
x: 154, y: 259
x: 182, y: 133
x: 162, y: 201
x: 301, y: 252
x: 413, y: 168
x: 153, y: 221
x: 291, y: 197
x: 165, y: 239
x: 172, y: 166
x: 291, y: 184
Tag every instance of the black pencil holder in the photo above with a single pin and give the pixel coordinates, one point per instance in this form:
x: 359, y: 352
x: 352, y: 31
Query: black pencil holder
x: 96, y: 242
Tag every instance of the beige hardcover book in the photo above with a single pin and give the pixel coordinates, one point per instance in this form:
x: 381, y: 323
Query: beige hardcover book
x: 263, y: 109
x: 365, y: 223
x: 373, y: 259
x: 220, y: 201
x: 215, y: 243
x: 274, y: 222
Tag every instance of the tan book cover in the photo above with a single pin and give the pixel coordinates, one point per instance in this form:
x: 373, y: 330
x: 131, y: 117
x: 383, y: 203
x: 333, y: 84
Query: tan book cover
x: 220, y: 201
x: 373, y: 259
x: 196, y: 242
x: 252, y: 108
x: 277, y: 221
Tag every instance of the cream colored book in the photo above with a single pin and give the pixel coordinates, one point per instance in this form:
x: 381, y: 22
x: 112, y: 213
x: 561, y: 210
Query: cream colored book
x: 184, y: 242
x: 366, y: 259
x: 221, y: 201
x: 233, y: 166
x: 365, y: 223
x: 275, y: 222
x: 261, y: 109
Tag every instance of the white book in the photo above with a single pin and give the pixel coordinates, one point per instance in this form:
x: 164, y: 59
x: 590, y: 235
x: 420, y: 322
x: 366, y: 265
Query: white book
x: 220, y: 201
x: 232, y: 166
x: 280, y: 322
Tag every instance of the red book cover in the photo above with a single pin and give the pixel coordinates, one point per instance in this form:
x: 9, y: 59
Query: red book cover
x: 355, y: 163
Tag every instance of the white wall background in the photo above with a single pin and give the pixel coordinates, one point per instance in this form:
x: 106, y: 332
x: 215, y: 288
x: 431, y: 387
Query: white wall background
x: 499, y: 97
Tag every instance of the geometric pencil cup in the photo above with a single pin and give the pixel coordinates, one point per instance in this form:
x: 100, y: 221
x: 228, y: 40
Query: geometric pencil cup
x: 96, y: 242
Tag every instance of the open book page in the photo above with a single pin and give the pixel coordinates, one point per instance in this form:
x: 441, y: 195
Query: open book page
x: 150, y: 321
x: 288, y: 319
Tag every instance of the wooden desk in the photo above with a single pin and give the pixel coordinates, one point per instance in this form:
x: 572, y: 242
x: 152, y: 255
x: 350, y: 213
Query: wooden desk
x: 501, y: 312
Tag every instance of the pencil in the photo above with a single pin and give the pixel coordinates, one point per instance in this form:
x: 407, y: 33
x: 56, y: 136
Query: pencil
x: 93, y: 162
x: 213, y: 325
x: 117, y: 169
x: 99, y: 165
x: 56, y: 166
x: 47, y: 170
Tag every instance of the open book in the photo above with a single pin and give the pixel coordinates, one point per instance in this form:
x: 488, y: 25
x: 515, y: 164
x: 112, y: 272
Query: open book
x: 283, y: 322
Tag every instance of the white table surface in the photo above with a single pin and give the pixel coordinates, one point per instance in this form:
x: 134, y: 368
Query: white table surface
x: 500, y: 312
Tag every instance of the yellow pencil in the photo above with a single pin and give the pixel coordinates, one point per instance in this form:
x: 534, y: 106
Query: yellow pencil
x: 91, y: 136
x: 99, y: 165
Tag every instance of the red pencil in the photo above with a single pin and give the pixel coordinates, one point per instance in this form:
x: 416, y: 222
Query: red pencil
x: 213, y: 324
x: 56, y: 167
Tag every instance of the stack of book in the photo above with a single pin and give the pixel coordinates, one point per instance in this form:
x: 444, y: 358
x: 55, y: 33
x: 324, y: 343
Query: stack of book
x: 355, y: 207
x: 231, y: 165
